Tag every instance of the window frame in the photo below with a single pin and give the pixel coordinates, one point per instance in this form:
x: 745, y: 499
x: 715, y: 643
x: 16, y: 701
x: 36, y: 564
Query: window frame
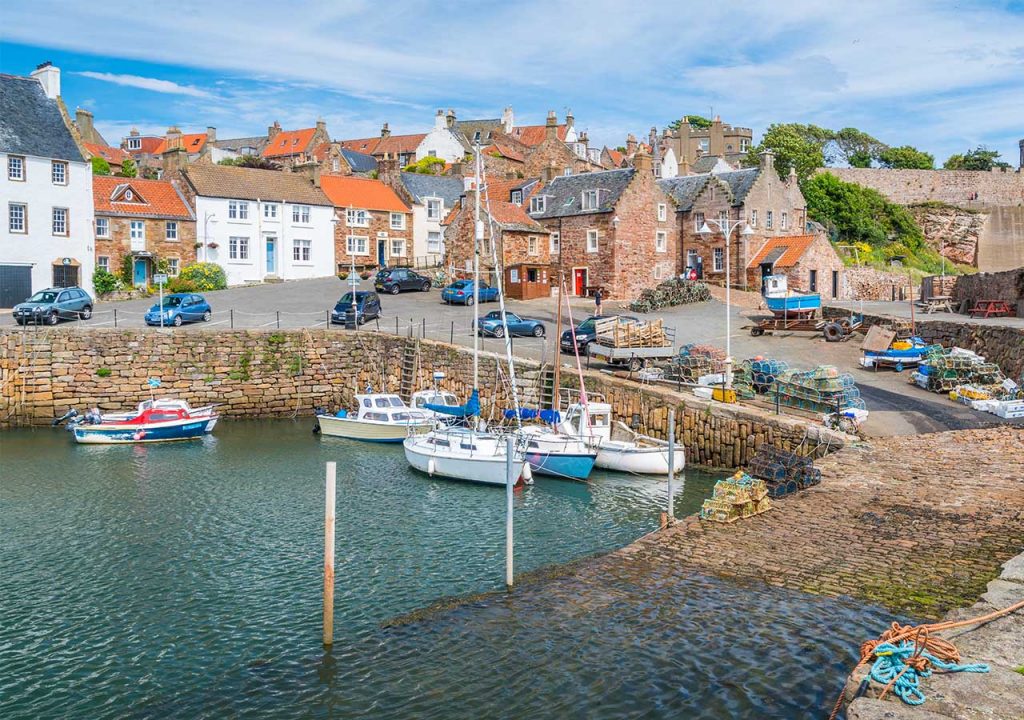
x: 392, y: 244
x: 66, y: 232
x: 590, y: 200
x: 173, y: 266
x: 23, y: 172
x: 596, y: 236
x: 356, y: 217
x: 131, y: 230
x: 661, y: 241
x: 538, y: 204
x: 401, y: 221
x: 753, y: 218
x: 103, y: 263
x: 270, y: 211
x: 698, y: 221
x: 662, y: 212
x: 54, y: 164
x: 556, y: 242
x: 433, y: 203
x: 365, y: 242
x: 532, y: 246
x: 769, y: 220
x: 105, y: 234
x: 238, y: 248
x: 430, y: 240
x: 24, y: 218
x: 171, y: 231
x: 717, y: 259
x: 517, y: 197
x: 783, y: 220
x: 301, y: 214
x: 302, y: 250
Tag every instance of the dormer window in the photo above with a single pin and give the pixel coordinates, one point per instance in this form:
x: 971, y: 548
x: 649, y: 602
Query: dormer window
x: 134, y: 143
x: 129, y: 195
x: 476, y: 136
x: 590, y: 200
x: 517, y: 197
x: 538, y: 204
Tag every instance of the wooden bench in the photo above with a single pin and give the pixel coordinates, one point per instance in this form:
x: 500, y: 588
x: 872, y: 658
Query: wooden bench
x: 990, y: 308
x: 936, y: 303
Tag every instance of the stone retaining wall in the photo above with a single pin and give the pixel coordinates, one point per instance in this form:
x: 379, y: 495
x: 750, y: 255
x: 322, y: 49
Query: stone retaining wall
x: 1007, y: 285
x: 288, y: 373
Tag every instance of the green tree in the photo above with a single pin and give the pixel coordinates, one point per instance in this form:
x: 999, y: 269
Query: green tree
x: 797, y: 146
x: 855, y: 147
x: 981, y: 158
x: 906, y: 157
x: 698, y: 122
x: 129, y: 169
x: 426, y: 166
x: 853, y: 213
x: 100, y: 166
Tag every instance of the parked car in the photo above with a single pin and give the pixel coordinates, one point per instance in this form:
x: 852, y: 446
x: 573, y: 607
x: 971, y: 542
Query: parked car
x: 53, y: 305
x: 585, y: 333
x: 461, y: 291
x: 367, y: 307
x: 491, y: 324
x: 395, y: 280
x: 179, y: 308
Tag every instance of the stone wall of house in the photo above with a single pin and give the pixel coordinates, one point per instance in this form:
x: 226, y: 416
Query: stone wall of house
x: 867, y: 283
x: 573, y: 252
x: 379, y: 230
x: 119, y: 244
x: 263, y: 374
x: 952, y: 231
x: 638, y: 263
x: 821, y: 258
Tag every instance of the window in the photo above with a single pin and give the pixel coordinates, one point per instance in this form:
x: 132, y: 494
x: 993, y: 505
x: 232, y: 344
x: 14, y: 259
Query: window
x: 60, y: 221
x: 335, y: 165
x: 65, y: 276
x: 784, y: 220
x: 15, y: 168
x: 397, y: 221
x: 567, y: 172
x: 433, y: 209
x: 302, y: 250
x: 397, y: 247
x: 238, y: 210
x: 590, y: 200
x: 137, y: 230
x: 691, y: 259
x: 270, y: 211
x: 812, y: 280
x: 432, y: 153
x: 171, y: 230
x: 704, y: 144
x: 16, y: 217
x: 59, y: 172
x: 172, y: 266
x: 358, y: 245
x: 300, y: 214
x: 134, y: 143
x: 538, y: 204
x: 768, y: 219
x: 356, y: 218
x: 531, y: 245
x: 129, y: 195
x: 591, y: 241
x: 661, y: 241
x: 744, y: 144
x: 698, y: 221
x: 433, y: 242
x: 238, y: 248
x: 723, y: 219
x: 517, y: 197
x: 658, y: 271
x: 719, y: 259
x: 102, y: 227
x: 556, y: 240
x: 103, y: 263
x: 753, y: 218
x: 662, y: 212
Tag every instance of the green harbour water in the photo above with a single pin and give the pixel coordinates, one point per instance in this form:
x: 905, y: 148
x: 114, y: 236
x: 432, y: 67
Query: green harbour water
x: 184, y: 581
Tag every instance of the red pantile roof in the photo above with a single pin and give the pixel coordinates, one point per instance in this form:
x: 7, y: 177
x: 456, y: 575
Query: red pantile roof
x: 113, y: 155
x: 192, y: 142
x: 793, y: 246
x: 393, y: 144
x: 507, y: 148
x: 155, y: 198
x: 616, y: 157
x: 533, y: 135
x: 363, y: 193
x: 289, y: 142
x: 363, y: 145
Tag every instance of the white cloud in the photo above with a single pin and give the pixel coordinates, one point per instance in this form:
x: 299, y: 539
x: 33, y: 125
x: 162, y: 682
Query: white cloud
x: 145, y: 83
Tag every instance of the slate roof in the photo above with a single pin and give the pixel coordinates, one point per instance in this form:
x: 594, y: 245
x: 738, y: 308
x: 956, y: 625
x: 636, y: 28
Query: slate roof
x: 465, y: 131
x: 564, y: 193
x: 236, y: 144
x: 740, y: 182
x: 793, y: 248
x: 31, y: 123
x: 363, y: 193
x: 685, y: 189
x: 446, y: 187
x: 152, y: 198
x: 359, y: 162
x: 706, y: 164
x: 222, y: 181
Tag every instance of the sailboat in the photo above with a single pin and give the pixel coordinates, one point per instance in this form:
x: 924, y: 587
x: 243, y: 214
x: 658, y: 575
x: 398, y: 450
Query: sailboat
x: 468, y: 453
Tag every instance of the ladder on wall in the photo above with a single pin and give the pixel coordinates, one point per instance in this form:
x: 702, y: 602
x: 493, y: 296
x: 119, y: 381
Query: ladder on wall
x: 410, y: 368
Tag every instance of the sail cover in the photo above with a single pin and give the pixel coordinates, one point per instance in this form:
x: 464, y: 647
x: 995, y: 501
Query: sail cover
x: 471, y: 408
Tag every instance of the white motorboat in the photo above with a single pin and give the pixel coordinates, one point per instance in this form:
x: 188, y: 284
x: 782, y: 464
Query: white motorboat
x: 629, y: 451
x: 465, y: 454
x: 164, y: 403
x: 421, y: 398
x: 381, y: 417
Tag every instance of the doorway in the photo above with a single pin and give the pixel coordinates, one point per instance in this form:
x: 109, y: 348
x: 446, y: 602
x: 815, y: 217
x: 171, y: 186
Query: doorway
x: 139, y: 273
x: 271, y: 255
x: 813, y: 281
x: 381, y: 261
x: 835, y: 284
x: 579, y: 281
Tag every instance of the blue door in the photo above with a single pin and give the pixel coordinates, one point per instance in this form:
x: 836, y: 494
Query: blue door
x: 380, y: 253
x: 271, y: 256
x: 139, y: 273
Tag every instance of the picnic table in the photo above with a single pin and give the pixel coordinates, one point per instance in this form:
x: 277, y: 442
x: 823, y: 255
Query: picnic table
x: 936, y: 303
x: 990, y: 308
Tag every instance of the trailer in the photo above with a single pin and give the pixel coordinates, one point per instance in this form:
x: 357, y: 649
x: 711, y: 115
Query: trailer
x: 833, y: 330
x: 632, y: 344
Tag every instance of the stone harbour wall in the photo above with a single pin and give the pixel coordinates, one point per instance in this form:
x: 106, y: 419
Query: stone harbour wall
x: 955, y: 187
x: 264, y: 374
x: 1007, y: 285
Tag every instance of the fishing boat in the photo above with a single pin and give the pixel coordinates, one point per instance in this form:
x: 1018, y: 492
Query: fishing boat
x: 901, y: 354
x: 162, y: 404
x: 151, y: 425
x: 628, y: 451
x: 381, y: 417
x: 784, y: 302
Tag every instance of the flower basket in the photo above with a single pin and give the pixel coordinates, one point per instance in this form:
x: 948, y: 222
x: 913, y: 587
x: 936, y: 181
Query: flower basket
x: 212, y: 246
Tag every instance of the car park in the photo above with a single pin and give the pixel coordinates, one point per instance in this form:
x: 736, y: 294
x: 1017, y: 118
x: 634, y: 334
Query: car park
x: 585, y: 333
x: 395, y: 280
x: 52, y: 305
x: 179, y: 308
x: 356, y: 310
x: 461, y: 292
x: 491, y: 325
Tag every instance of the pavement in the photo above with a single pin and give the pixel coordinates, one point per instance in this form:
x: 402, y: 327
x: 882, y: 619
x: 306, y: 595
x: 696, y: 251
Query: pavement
x: 897, y: 408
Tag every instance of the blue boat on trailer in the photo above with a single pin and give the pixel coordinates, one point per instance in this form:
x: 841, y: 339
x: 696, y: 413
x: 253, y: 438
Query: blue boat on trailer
x: 786, y: 303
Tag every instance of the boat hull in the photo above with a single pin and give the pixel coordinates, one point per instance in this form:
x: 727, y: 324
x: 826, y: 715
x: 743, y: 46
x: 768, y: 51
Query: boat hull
x: 562, y: 465
x: 368, y: 431
x: 793, y: 304
x: 486, y: 470
x: 638, y: 459
x: 158, y: 432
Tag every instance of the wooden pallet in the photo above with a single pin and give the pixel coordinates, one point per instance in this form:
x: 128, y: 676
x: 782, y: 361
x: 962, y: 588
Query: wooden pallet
x: 613, y: 332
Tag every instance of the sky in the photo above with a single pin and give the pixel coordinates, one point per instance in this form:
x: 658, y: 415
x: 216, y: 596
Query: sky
x: 942, y: 75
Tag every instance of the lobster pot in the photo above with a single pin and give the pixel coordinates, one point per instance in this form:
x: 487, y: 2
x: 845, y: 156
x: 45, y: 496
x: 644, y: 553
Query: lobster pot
x: 736, y: 497
x: 821, y: 390
x: 947, y: 370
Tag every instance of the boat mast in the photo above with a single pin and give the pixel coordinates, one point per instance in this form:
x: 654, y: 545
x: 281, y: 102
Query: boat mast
x: 478, y: 236
x: 558, y: 339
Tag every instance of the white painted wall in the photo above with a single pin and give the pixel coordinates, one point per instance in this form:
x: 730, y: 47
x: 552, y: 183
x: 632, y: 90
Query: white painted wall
x: 441, y: 142
x: 421, y: 229
x: 39, y: 247
x: 214, y: 225
x: 669, y: 164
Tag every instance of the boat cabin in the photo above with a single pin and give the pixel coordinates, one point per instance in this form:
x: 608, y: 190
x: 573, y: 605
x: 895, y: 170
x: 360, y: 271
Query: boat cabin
x: 596, y: 415
x: 434, y: 397
x: 387, y: 408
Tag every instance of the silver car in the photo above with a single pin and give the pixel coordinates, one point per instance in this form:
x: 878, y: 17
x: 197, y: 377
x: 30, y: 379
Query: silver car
x: 52, y: 305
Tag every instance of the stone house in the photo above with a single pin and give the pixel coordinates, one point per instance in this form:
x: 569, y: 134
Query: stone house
x: 289, y: 148
x: 809, y: 262
x: 567, y: 152
x: 613, y: 229
x: 757, y: 196
x: 690, y: 143
x: 149, y: 150
x: 333, y: 159
x: 147, y: 221
x: 374, y: 227
x: 443, y: 141
x: 402, y: 148
x: 431, y: 198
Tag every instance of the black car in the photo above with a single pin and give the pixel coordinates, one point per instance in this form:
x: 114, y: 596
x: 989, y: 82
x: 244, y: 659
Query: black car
x: 585, y: 333
x: 395, y: 280
x: 366, y: 307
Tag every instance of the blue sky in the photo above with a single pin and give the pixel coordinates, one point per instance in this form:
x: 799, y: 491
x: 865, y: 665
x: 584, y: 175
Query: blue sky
x: 942, y: 75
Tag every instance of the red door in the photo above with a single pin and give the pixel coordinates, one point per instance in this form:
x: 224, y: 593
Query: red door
x: 579, y: 281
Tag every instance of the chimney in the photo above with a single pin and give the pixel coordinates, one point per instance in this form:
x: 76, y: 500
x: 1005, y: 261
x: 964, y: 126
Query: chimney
x: 792, y: 179
x: 211, y: 135
x: 642, y: 162
x: 630, y: 145
x: 173, y: 137
x: 507, y: 120
x: 767, y: 160
x: 569, y: 120
x: 450, y: 118
x: 549, y: 173
x: 551, y: 126
x: 49, y: 77
x: 1021, y: 166
x: 321, y: 125
x: 83, y: 121
x: 311, y: 170
x: 439, y: 121
x: 385, y: 131
x: 456, y: 169
x: 273, y: 130
x: 387, y: 169
x: 174, y: 159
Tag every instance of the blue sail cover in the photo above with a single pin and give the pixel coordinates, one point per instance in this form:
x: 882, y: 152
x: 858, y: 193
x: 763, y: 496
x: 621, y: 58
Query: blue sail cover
x: 471, y: 408
x: 548, y: 416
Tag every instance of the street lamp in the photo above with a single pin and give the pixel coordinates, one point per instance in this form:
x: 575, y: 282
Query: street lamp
x: 207, y: 219
x: 726, y: 229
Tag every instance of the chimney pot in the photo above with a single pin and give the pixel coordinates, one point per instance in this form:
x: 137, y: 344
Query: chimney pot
x: 49, y: 77
x: 642, y: 162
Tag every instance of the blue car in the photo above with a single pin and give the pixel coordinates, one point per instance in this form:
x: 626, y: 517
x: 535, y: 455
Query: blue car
x: 491, y: 324
x: 179, y: 308
x: 461, y: 291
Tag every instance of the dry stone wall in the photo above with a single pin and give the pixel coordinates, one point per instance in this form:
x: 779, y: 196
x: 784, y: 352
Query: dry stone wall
x: 955, y: 187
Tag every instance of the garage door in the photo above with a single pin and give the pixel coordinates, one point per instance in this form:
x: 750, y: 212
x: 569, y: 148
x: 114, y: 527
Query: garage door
x: 15, y: 284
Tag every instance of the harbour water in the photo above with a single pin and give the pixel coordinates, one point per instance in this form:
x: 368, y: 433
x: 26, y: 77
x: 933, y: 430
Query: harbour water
x: 184, y: 580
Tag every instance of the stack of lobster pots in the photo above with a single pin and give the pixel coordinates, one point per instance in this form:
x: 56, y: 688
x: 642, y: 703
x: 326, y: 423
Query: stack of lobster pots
x: 783, y: 472
x: 737, y: 497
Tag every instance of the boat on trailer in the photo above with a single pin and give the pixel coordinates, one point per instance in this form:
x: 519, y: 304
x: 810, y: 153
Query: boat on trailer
x: 785, y: 303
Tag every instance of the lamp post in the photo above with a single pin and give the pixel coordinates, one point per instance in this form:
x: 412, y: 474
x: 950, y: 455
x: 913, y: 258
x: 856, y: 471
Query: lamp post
x: 727, y: 229
x: 207, y: 219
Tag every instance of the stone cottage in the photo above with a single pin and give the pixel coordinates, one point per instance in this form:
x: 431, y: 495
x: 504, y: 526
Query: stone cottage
x: 374, y: 227
x: 809, y: 262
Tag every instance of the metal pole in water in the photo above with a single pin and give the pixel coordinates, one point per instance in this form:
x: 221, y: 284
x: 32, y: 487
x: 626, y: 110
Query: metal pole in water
x: 329, y: 554
x: 671, y: 463
x: 510, y: 479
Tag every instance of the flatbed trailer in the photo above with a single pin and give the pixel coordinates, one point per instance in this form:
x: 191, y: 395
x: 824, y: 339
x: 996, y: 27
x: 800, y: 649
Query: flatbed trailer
x: 833, y: 330
x: 632, y: 357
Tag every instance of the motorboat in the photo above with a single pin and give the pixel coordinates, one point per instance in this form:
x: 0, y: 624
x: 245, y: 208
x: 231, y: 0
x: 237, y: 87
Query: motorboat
x: 626, y: 451
x: 421, y: 399
x: 380, y: 417
x: 784, y: 302
x: 162, y: 404
x: 150, y: 425
x: 900, y: 354
x: 467, y: 454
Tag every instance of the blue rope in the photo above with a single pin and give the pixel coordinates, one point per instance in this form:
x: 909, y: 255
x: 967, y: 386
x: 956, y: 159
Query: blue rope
x: 891, y: 660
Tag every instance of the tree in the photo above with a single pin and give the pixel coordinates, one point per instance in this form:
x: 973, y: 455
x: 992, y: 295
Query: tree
x: 129, y: 169
x: 906, y: 157
x: 100, y: 166
x: 853, y: 213
x: 797, y: 146
x: 855, y: 147
x: 698, y: 122
x: 255, y: 162
x: 981, y: 158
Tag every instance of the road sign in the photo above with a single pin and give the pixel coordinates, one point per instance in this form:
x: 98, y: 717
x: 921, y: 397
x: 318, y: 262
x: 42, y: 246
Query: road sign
x: 160, y: 278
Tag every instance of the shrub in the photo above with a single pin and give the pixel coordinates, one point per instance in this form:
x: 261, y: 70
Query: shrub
x: 205, y: 275
x: 104, y: 282
x: 180, y: 285
x: 100, y: 166
x: 103, y: 372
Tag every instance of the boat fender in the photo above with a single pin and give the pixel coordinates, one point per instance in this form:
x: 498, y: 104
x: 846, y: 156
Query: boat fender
x: 527, y: 474
x: 341, y: 414
x: 430, y: 466
x: 139, y: 434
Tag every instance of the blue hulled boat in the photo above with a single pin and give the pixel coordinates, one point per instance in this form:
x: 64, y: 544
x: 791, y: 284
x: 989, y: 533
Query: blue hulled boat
x: 152, y: 425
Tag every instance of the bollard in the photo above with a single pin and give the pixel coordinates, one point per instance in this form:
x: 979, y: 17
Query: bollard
x: 278, y: 319
x: 115, y: 317
x: 232, y: 314
x: 451, y: 335
x: 329, y: 505
x: 423, y: 328
x: 328, y: 319
x: 396, y: 324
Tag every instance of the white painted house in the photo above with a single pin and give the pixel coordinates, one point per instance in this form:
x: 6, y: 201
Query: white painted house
x: 442, y: 141
x: 45, y: 192
x: 431, y: 198
x: 261, y: 224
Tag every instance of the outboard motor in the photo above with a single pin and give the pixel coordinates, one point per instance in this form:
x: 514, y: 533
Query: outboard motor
x: 69, y: 415
x: 93, y: 417
x: 317, y: 411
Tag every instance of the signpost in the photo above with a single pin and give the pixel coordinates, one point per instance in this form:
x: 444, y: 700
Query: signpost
x: 160, y: 279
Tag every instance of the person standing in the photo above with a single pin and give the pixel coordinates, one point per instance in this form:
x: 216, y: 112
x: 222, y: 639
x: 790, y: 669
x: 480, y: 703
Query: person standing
x: 597, y: 302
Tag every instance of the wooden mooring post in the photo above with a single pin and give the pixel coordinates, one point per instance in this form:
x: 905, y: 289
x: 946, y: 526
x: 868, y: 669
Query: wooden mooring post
x: 329, y: 501
x: 671, y: 464
x: 510, y: 480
